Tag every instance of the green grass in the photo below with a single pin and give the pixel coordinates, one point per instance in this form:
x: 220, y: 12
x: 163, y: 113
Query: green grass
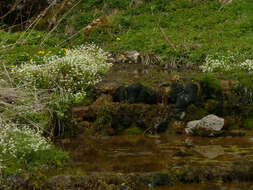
x: 176, y: 30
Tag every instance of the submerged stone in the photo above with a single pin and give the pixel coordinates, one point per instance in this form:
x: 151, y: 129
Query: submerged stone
x: 211, y: 151
x: 160, y: 179
x: 182, y: 154
x: 162, y: 126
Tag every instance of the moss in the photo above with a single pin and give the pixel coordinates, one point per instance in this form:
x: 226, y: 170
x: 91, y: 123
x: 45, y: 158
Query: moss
x: 178, y: 174
x: 248, y: 123
x: 231, y: 123
x: 210, y: 86
x: 195, y: 113
x: 133, y: 130
x: 211, y: 105
x: 102, y: 124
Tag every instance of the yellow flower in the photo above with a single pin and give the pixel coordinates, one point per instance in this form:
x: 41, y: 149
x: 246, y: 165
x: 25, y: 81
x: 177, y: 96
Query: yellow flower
x: 41, y: 52
x: 118, y: 39
x: 66, y: 50
x: 31, y: 60
x: 27, y: 54
x: 48, y: 52
x: 38, y: 36
x: 122, y: 56
x: 228, y: 51
x: 12, y: 66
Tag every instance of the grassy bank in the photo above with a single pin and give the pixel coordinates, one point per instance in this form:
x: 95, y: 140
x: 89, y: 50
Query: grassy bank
x: 44, y: 73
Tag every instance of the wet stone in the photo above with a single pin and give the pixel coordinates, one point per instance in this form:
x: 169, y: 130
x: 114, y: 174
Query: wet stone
x: 183, y: 96
x: 182, y: 154
x: 162, y: 126
x: 141, y: 124
x: 211, y: 125
x: 135, y: 93
x: 160, y: 179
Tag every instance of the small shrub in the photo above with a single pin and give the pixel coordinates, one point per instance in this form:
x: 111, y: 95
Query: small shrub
x: 68, y: 79
x: 23, y: 148
x: 71, y: 75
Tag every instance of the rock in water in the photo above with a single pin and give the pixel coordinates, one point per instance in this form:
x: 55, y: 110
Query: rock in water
x: 210, y: 151
x: 207, y: 126
x: 133, y: 56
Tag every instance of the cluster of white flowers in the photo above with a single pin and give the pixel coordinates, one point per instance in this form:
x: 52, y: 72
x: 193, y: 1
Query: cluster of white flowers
x: 247, y: 65
x: 19, y: 143
x: 225, y: 63
x: 73, y: 73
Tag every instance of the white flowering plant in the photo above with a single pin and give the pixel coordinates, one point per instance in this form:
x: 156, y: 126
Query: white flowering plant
x: 227, y: 63
x: 72, y: 74
x: 67, y: 79
x: 24, y: 148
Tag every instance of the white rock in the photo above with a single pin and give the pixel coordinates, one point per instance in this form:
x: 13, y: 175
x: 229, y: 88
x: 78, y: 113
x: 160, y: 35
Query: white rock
x: 133, y: 56
x: 211, y: 124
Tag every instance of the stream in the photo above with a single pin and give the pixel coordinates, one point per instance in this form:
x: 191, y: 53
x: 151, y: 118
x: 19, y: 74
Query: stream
x: 153, y: 153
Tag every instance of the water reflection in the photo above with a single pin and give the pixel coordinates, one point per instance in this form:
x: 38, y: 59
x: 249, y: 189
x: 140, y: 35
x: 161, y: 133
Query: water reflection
x: 238, y: 186
x: 154, y: 153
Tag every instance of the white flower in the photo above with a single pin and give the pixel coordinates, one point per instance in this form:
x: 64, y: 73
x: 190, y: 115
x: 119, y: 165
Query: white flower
x: 74, y: 73
x: 225, y: 63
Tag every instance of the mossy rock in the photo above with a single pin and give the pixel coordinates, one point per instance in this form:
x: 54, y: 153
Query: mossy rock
x: 211, y: 105
x: 133, y: 130
x: 248, y: 123
x: 210, y: 86
x: 160, y: 179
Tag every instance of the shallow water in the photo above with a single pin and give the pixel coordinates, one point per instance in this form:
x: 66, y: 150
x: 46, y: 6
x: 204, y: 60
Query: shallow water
x: 154, y: 153
x: 237, y: 186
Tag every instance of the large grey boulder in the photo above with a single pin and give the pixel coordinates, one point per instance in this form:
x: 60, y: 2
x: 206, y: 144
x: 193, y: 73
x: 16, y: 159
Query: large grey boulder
x: 207, y: 126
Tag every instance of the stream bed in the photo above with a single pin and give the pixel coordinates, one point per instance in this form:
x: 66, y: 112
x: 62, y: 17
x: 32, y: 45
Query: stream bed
x: 151, y: 154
